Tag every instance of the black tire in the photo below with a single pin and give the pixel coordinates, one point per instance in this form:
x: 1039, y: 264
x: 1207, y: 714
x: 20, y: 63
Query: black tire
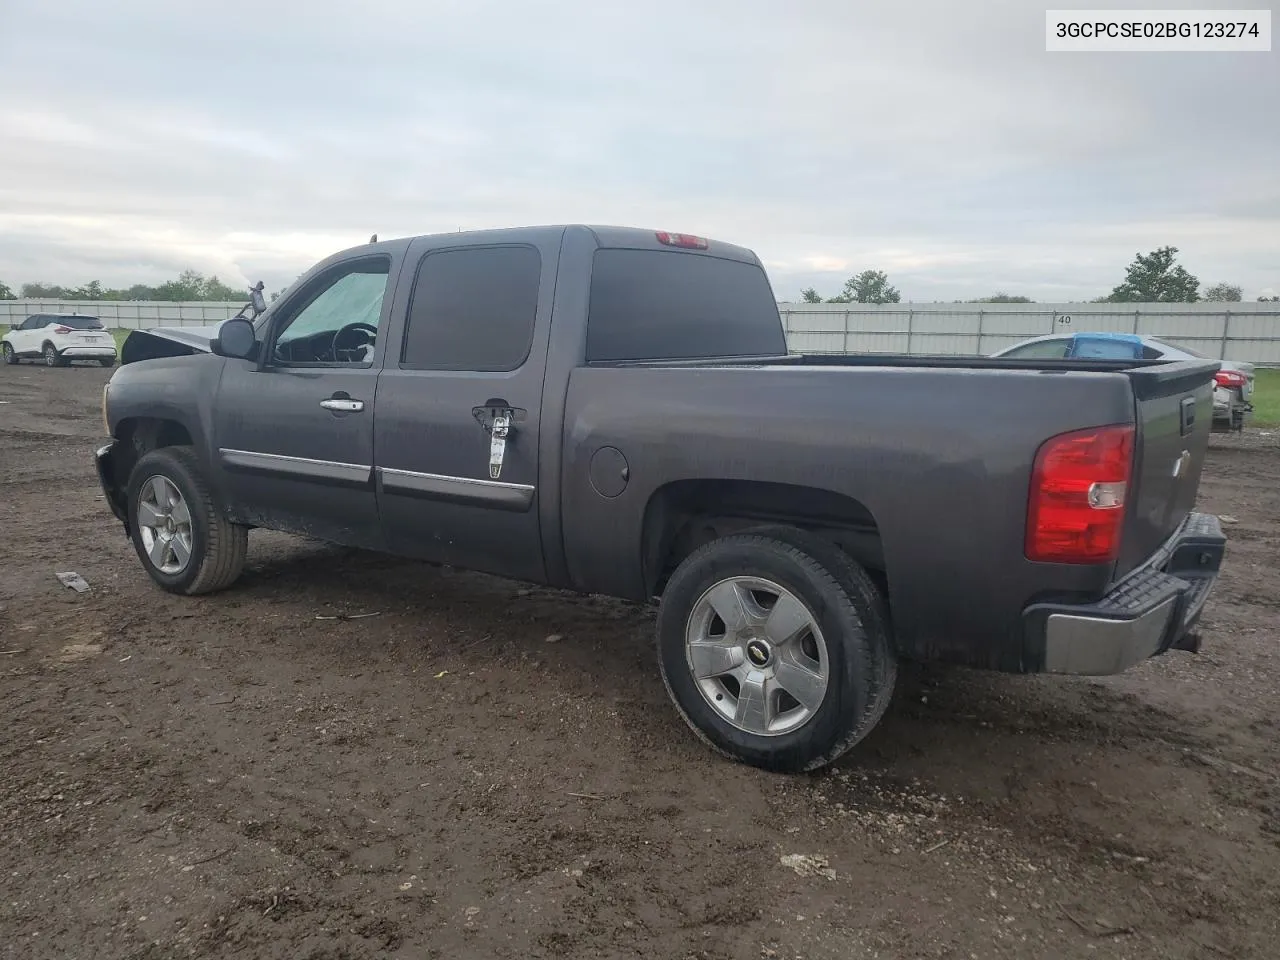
x: 107, y: 362
x: 52, y: 358
x: 9, y: 356
x: 848, y: 609
x: 218, y: 546
x: 874, y: 610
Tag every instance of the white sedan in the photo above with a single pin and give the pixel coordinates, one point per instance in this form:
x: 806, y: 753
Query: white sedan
x: 1233, y: 383
x: 57, y: 339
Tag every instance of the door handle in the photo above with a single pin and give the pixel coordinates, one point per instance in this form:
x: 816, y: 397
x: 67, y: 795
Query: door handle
x: 498, y: 419
x: 343, y: 404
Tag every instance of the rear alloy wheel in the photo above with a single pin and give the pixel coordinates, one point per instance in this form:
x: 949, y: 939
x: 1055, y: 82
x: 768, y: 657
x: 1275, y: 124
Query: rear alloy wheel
x: 180, y: 535
x: 775, y: 654
x: 9, y: 355
x: 51, y: 356
x: 757, y: 655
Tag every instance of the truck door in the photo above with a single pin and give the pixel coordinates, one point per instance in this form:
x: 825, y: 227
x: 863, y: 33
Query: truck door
x: 294, y: 429
x: 459, y: 403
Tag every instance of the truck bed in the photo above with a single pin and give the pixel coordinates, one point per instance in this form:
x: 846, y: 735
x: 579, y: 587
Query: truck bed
x: 936, y: 451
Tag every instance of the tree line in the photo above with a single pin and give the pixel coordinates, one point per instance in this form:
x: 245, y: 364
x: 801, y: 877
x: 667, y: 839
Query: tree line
x: 189, y: 286
x: 1154, y: 277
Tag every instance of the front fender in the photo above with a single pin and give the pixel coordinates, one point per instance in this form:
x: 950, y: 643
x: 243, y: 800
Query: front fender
x: 180, y: 389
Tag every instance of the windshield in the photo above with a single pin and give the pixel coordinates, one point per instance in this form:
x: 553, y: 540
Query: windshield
x: 81, y: 323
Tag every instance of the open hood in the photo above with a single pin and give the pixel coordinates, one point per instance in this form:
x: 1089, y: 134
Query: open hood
x: 167, y: 342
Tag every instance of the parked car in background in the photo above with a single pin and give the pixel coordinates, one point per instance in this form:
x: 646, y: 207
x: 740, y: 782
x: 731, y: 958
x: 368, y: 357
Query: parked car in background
x: 1233, y: 383
x: 57, y: 339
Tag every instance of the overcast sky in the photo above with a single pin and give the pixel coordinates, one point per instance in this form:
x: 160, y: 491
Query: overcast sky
x: 935, y: 140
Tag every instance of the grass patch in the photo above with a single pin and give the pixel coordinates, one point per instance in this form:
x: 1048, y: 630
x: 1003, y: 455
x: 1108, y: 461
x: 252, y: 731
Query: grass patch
x: 1266, y: 398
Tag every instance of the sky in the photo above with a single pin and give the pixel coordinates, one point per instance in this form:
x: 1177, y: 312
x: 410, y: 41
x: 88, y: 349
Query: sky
x: 933, y: 139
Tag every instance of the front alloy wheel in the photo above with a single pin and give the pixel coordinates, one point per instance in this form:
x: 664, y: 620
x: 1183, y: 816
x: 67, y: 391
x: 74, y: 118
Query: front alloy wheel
x: 164, y: 524
x: 181, y: 534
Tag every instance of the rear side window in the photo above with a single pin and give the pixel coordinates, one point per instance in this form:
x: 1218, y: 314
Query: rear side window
x: 473, y: 308
x: 662, y: 305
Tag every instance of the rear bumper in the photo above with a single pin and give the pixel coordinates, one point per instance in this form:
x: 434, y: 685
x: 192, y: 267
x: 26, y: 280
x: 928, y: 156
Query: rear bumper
x: 104, y: 461
x: 87, y: 353
x: 1230, y: 406
x: 1152, y: 610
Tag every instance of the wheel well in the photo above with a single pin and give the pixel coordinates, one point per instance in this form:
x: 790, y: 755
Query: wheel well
x: 140, y: 435
x: 682, y: 516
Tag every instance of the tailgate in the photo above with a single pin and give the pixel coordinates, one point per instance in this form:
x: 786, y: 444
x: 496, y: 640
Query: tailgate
x: 1174, y: 409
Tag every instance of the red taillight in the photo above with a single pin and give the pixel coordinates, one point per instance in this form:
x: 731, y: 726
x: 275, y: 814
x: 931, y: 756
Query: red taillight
x: 686, y: 240
x: 61, y: 329
x: 1229, y: 378
x: 1078, y: 489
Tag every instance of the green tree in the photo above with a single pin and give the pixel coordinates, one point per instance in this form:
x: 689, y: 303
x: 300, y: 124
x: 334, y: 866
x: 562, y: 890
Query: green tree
x: 1275, y: 299
x: 90, y: 291
x: 188, y: 286
x: 1003, y: 298
x: 1223, y: 293
x: 215, y: 289
x: 870, y: 286
x: 1155, y: 278
x: 810, y: 295
x: 6, y: 293
x: 43, y: 291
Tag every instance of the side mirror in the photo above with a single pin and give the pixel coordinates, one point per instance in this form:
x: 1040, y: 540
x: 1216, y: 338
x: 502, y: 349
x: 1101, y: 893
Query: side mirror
x: 236, y: 338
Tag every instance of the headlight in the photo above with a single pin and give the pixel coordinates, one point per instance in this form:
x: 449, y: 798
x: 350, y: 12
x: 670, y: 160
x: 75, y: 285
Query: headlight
x: 106, y: 426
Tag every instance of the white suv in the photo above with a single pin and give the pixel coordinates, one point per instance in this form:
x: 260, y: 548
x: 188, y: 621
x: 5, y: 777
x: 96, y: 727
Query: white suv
x: 59, y: 339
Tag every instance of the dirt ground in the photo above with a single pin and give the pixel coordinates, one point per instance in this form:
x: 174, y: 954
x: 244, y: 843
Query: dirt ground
x: 488, y: 770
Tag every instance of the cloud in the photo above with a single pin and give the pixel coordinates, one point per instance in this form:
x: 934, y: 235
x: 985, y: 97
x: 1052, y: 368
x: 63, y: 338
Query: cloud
x: 934, y: 140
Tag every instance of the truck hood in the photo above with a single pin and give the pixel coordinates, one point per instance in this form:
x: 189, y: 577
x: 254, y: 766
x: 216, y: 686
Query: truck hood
x: 167, y: 342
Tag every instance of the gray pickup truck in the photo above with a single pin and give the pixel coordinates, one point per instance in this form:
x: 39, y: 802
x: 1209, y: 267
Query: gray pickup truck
x: 614, y: 411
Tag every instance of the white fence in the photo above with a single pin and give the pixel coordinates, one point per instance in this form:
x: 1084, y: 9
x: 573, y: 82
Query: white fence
x: 1223, y: 331
x: 1235, y: 331
x: 125, y: 314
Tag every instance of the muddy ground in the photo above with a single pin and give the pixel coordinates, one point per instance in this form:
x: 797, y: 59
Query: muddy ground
x: 488, y: 770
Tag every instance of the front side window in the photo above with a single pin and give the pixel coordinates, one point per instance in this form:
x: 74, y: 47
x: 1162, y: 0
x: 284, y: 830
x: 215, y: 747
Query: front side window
x: 338, y: 318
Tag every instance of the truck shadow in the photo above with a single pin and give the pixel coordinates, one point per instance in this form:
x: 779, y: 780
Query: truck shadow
x: 600, y: 643
x: 1079, y: 765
